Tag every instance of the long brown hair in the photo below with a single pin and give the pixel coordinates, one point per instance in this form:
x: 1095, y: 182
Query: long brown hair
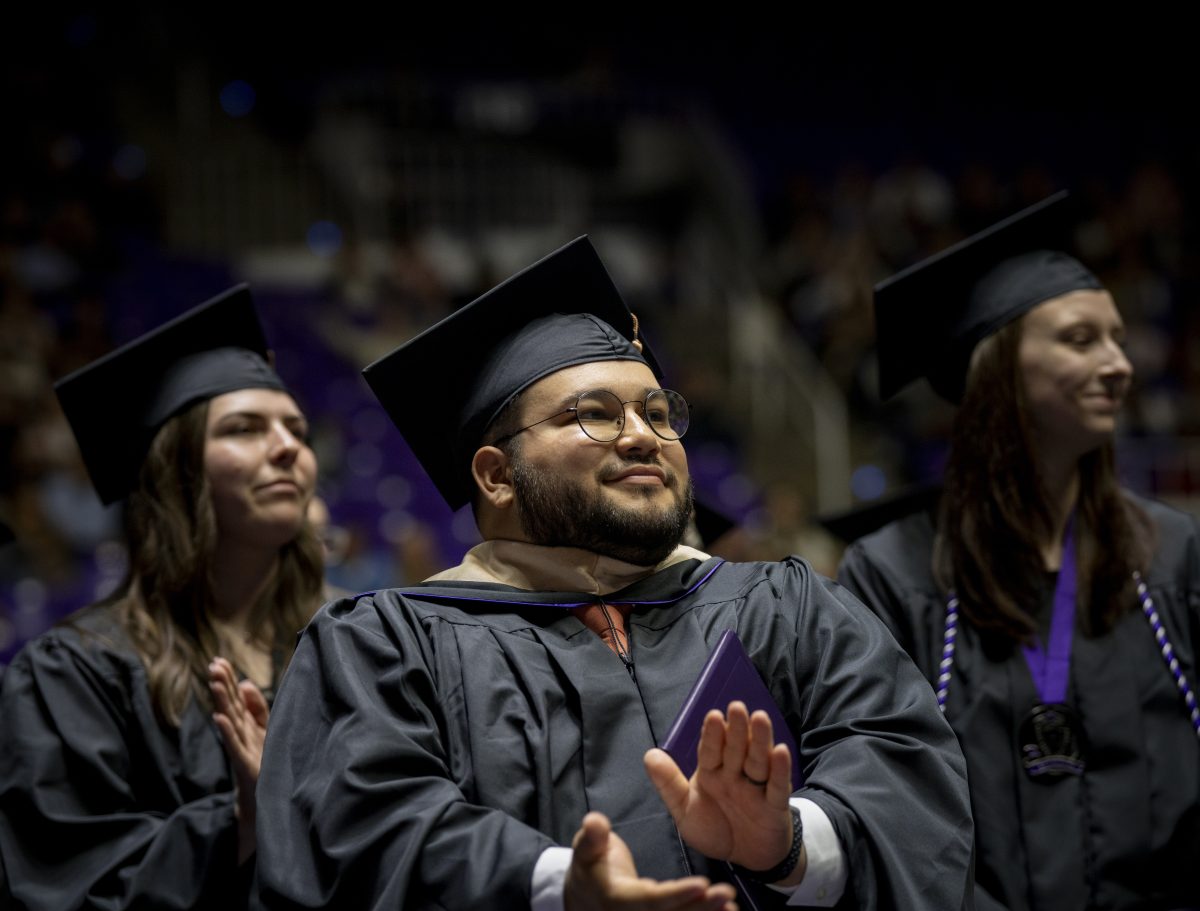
x: 164, y: 601
x: 994, y: 511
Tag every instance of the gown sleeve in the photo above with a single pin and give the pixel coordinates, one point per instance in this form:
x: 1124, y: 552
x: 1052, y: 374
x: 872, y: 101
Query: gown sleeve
x: 889, y: 574
x: 880, y: 760
x: 390, y: 826
x: 92, y: 813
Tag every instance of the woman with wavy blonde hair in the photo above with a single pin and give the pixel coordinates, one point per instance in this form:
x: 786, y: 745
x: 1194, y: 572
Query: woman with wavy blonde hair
x: 134, y: 729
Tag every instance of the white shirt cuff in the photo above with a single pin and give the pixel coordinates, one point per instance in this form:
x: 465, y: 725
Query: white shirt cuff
x: 825, y: 876
x: 549, y: 874
x: 823, y: 884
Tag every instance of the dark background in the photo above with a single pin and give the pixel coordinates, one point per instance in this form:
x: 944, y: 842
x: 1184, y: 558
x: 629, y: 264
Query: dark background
x: 747, y: 179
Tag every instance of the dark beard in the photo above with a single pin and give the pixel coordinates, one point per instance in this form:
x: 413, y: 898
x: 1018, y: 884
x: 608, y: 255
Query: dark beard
x: 559, y: 512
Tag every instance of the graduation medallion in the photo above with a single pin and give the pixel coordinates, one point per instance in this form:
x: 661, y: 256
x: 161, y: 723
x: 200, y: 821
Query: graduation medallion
x: 1051, y: 742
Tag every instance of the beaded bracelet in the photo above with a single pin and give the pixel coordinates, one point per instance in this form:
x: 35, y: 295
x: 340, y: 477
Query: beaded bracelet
x: 784, y: 868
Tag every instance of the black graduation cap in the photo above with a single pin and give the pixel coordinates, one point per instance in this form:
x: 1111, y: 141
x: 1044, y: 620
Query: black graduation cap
x: 443, y: 388
x: 116, y: 404
x: 860, y: 520
x: 930, y: 317
x: 711, y: 521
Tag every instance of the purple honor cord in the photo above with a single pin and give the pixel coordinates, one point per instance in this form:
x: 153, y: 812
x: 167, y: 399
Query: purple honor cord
x: 1168, y: 652
x: 1051, y: 666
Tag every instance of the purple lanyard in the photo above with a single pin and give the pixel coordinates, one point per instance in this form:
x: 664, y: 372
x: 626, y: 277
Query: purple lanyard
x: 1062, y: 620
x: 1051, y: 666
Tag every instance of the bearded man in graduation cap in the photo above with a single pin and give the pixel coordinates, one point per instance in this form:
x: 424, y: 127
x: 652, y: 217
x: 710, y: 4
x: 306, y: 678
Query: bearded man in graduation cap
x: 488, y: 739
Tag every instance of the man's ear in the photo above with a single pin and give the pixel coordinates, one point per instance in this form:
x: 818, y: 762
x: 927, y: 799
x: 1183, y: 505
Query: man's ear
x: 493, y: 477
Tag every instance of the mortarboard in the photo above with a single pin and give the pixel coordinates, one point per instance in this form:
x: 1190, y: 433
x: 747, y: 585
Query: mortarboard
x: 930, y: 317
x: 860, y: 520
x: 445, y: 386
x: 116, y: 404
x: 711, y: 521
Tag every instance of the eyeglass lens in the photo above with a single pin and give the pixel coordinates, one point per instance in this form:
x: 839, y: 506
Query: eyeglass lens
x: 601, y: 414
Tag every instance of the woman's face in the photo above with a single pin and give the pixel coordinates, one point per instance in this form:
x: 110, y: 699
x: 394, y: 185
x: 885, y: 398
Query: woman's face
x: 1075, y: 371
x: 260, y: 469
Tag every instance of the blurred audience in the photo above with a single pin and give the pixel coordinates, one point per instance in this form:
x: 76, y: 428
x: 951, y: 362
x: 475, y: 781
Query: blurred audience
x: 76, y: 220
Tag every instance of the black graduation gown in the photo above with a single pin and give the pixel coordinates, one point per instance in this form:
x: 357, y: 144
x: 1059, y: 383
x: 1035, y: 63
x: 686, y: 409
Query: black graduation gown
x: 101, y: 806
x: 1127, y: 833
x: 428, y: 744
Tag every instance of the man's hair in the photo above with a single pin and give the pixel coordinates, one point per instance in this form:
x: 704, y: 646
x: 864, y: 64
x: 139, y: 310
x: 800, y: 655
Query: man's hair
x: 164, y: 601
x: 994, y: 511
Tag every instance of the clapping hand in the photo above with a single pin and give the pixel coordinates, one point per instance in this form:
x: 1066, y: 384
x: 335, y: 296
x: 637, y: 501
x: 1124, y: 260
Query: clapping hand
x: 240, y: 712
x: 735, y: 806
x: 602, y: 875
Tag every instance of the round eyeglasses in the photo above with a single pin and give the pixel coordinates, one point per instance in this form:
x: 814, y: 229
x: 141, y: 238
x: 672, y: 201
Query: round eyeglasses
x: 601, y: 415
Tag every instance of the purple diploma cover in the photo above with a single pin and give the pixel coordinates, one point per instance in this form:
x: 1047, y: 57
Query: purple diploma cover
x: 727, y: 675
